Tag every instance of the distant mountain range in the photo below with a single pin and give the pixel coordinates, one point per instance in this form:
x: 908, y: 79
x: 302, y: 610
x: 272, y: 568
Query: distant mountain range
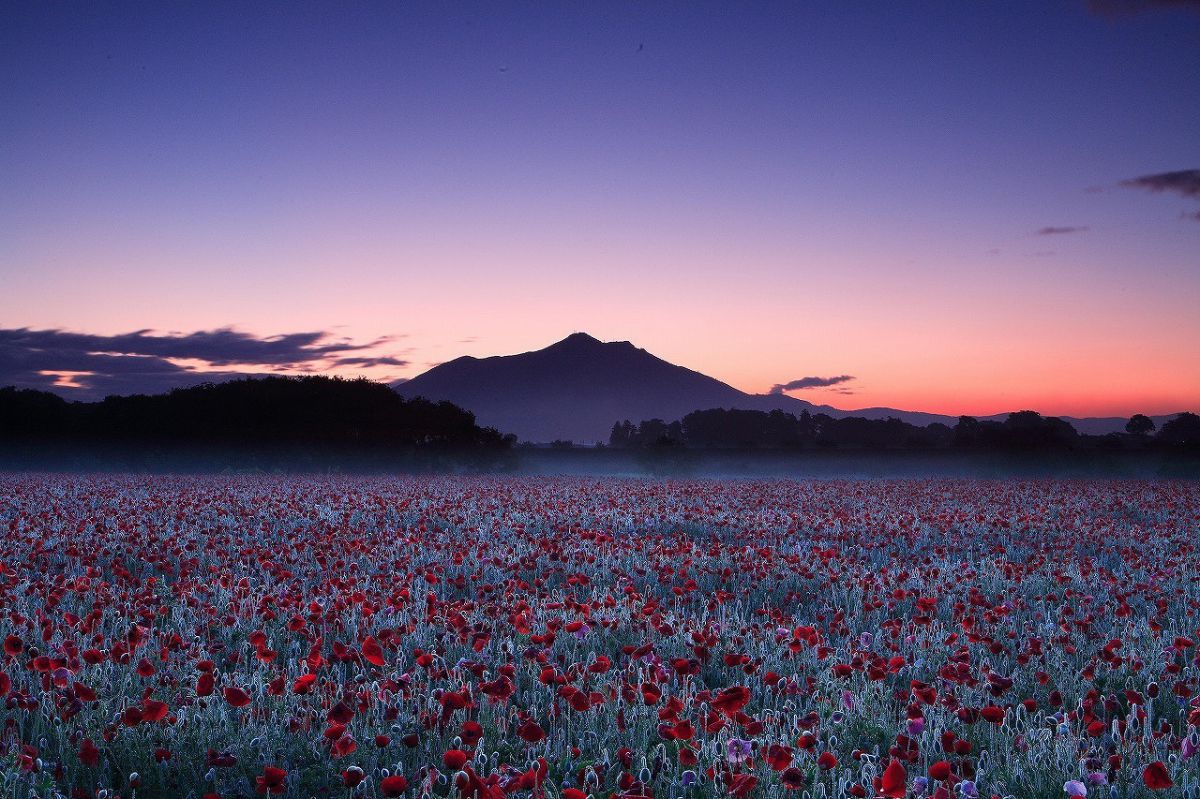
x: 576, y: 388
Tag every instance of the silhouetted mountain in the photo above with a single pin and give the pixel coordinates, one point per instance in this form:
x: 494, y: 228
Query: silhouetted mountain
x: 570, y: 390
x: 575, y: 389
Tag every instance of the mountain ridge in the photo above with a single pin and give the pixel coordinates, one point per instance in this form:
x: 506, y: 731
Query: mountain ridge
x: 576, y: 388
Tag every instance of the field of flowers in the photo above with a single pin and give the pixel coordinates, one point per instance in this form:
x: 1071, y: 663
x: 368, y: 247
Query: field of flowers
x: 535, y: 637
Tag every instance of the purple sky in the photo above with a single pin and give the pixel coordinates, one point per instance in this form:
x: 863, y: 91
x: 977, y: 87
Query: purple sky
x: 969, y: 207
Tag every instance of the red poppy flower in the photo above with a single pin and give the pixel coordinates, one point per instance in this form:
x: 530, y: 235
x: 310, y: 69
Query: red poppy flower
x: 344, y: 746
x: 204, y: 684
x: 372, y: 651
x: 455, y: 759
x: 780, y: 757
x: 340, y: 713
x: 1156, y: 778
x: 154, y: 711
x: 236, y: 697
x: 894, y: 781
x: 303, y: 683
x: 531, y: 732
x: 393, y: 785
x: 89, y: 755
x: 272, y: 781
x: 732, y: 699
x: 742, y: 785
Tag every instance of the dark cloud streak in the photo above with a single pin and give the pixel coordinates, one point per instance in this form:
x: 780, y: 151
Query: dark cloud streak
x: 1185, y: 182
x: 809, y: 382
x: 1063, y: 230
x: 365, y: 361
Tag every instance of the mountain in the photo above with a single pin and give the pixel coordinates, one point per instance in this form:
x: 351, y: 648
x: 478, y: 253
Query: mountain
x: 575, y: 390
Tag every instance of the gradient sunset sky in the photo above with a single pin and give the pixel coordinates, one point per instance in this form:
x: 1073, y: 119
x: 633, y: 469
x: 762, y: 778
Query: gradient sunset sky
x: 967, y: 207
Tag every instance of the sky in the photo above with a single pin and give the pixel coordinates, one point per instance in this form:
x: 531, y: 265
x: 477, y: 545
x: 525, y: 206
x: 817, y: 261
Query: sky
x: 939, y: 206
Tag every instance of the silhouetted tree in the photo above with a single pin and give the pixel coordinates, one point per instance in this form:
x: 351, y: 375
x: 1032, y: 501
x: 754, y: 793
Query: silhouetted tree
x: 621, y: 435
x: 967, y: 432
x: 1183, y: 430
x: 1139, y: 425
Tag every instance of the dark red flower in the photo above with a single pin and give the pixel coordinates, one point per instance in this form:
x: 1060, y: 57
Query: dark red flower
x: 1156, y: 778
x: 372, y: 651
x: 236, y: 697
x: 393, y: 785
x: 894, y: 782
x: 272, y: 780
x: 89, y: 755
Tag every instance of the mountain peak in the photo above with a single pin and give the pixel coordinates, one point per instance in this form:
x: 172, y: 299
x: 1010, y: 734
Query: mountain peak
x: 586, y: 341
x: 577, y: 340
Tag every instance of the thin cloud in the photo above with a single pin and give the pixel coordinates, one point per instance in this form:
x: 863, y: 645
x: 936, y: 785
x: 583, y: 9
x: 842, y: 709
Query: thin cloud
x: 1060, y: 231
x: 809, y: 382
x: 146, y: 362
x: 1184, y: 182
x: 386, y: 360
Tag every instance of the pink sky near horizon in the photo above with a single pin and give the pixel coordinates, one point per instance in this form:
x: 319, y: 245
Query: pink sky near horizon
x: 913, y: 339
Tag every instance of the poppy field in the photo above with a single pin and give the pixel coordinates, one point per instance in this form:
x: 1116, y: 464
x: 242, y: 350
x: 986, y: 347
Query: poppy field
x: 487, y: 637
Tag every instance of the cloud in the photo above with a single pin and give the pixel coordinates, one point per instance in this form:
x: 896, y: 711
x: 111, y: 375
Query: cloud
x: 1185, y: 182
x: 88, y: 366
x: 1112, y: 7
x: 809, y: 382
x: 386, y: 360
x: 1059, y: 231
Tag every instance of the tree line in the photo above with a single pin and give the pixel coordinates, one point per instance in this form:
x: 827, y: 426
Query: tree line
x: 734, y: 429
x: 280, y: 417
